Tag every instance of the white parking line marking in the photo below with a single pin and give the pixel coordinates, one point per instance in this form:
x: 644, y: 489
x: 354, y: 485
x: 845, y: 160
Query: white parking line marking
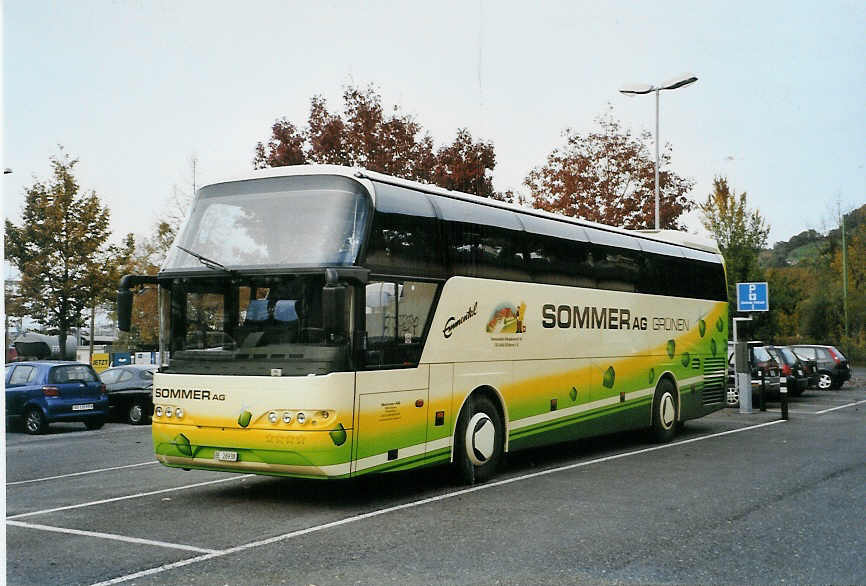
x: 127, y: 497
x: 433, y: 499
x: 839, y: 407
x: 111, y: 536
x: 17, y: 482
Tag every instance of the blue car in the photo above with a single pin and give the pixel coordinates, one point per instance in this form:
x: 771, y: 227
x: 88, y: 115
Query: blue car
x: 40, y: 393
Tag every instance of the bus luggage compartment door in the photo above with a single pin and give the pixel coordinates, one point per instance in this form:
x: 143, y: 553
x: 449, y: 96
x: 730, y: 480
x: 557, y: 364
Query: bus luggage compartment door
x: 391, y: 419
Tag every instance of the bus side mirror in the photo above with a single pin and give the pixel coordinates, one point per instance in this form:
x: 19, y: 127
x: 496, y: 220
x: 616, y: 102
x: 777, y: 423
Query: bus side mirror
x: 124, y: 298
x: 334, y: 309
x: 124, y: 309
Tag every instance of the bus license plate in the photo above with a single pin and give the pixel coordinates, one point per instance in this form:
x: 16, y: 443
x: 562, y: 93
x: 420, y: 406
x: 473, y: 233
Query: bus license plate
x: 225, y: 456
x: 82, y: 407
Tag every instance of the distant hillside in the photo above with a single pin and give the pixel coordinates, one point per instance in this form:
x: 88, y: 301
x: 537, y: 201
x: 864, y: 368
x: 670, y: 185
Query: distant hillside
x: 810, y: 244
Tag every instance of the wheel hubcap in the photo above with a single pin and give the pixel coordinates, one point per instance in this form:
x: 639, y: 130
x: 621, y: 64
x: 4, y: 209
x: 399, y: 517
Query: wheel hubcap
x: 824, y: 381
x: 480, y: 439
x: 32, y: 421
x: 135, y: 413
x: 667, y: 411
x: 733, y: 397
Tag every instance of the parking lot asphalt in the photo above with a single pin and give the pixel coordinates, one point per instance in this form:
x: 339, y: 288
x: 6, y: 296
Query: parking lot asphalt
x: 734, y: 499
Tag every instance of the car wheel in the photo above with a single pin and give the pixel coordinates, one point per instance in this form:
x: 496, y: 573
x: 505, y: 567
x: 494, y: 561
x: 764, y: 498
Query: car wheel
x: 479, y: 440
x: 94, y: 422
x: 733, y: 397
x: 34, y: 421
x: 137, y: 413
x: 664, y: 416
x: 825, y: 381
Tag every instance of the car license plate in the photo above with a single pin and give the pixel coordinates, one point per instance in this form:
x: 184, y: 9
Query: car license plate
x: 82, y: 407
x: 223, y: 456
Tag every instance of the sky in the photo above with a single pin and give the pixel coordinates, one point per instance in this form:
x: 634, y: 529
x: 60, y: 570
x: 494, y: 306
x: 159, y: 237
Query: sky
x: 138, y: 88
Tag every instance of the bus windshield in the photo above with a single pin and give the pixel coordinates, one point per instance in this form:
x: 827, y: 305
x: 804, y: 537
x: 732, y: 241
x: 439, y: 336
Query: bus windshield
x: 274, y: 222
x: 258, y: 325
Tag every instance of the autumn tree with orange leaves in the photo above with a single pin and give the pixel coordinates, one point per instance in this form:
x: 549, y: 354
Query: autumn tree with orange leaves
x: 608, y: 176
x: 364, y: 135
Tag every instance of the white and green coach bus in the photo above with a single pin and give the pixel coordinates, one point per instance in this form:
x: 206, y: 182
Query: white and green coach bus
x: 327, y: 322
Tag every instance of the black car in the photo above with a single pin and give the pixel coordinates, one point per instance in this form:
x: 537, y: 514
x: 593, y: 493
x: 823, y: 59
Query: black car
x: 130, y: 390
x: 833, y: 368
x: 792, y: 368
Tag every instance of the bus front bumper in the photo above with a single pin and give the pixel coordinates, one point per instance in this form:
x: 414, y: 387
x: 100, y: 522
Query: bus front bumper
x: 306, y: 454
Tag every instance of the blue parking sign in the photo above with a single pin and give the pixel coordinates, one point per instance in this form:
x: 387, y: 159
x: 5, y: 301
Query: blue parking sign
x: 753, y: 297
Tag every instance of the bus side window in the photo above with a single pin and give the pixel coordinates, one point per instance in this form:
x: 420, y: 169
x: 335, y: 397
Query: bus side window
x: 404, y: 238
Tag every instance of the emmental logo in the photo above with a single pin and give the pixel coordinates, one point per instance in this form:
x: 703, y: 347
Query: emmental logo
x: 455, y: 322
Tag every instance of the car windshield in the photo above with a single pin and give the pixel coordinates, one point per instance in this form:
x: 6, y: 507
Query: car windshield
x: 274, y: 221
x: 788, y: 356
x: 110, y: 376
x: 761, y: 354
x: 72, y: 373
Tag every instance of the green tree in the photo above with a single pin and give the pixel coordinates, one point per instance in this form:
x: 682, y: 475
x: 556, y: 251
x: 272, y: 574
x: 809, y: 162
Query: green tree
x: 741, y: 234
x: 365, y: 135
x: 61, y: 250
x: 608, y: 176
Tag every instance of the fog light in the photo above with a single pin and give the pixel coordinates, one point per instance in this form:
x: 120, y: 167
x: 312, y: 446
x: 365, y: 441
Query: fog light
x: 272, y: 417
x: 287, y: 417
x: 168, y: 412
x: 158, y: 411
x: 301, y: 418
x: 178, y: 412
x: 324, y: 414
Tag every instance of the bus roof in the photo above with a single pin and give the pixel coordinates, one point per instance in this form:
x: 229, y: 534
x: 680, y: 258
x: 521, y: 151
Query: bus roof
x: 674, y: 237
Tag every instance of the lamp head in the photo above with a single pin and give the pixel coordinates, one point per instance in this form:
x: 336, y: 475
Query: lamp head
x: 680, y: 81
x: 636, y: 89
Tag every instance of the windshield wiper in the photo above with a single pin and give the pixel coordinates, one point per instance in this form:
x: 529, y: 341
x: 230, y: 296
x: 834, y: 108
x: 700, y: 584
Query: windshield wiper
x: 209, y: 263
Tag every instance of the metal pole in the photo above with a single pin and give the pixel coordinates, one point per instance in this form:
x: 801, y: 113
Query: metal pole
x: 783, y: 396
x: 657, y: 159
x: 740, y: 383
x: 762, y: 404
x: 845, y: 280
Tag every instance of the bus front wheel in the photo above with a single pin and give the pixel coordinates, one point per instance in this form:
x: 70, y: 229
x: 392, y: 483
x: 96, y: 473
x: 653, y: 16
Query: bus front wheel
x: 664, y: 419
x: 479, y: 440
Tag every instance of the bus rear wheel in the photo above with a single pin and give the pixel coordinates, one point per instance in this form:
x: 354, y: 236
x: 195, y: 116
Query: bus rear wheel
x: 664, y: 415
x: 479, y: 440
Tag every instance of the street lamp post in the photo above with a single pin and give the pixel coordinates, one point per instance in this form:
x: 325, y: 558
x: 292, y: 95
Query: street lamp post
x: 672, y: 84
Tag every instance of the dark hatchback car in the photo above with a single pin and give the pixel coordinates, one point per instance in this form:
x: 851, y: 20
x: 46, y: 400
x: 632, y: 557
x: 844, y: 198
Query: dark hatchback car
x: 130, y: 390
x: 833, y: 368
x: 792, y: 368
x: 40, y: 393
x: 764, y: 370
